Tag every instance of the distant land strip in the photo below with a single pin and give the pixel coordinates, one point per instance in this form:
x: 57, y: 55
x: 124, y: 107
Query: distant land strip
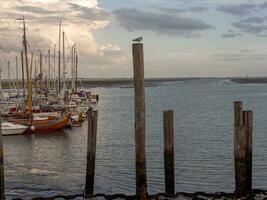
x: 250, y: 80
x: 104, y: 82
x: 128, y: 82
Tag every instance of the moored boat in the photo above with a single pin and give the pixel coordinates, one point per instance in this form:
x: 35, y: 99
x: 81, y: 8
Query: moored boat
x: 9, y: 128
x: 43, y: 125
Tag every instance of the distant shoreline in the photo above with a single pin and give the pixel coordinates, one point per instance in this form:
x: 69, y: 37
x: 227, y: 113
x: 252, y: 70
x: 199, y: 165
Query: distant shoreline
x: 249, y: 80
x: 149, y: 82
x: 113, y: 82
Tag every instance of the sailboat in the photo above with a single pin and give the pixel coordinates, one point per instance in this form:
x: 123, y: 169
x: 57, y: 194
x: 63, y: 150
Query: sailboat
x: 9, y: 128
x: 26, y: 118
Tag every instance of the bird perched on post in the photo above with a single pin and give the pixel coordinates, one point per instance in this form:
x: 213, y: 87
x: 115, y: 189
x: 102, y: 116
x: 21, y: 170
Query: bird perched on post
x: 138, y: 39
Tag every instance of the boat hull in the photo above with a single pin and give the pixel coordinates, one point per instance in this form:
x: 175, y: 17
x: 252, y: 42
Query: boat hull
x: 44, y: 125
x: 13, y: 131
x: 49, y: 125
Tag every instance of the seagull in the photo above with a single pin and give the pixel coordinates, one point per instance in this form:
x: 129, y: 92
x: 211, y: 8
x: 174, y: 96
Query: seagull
x: 138, y: 39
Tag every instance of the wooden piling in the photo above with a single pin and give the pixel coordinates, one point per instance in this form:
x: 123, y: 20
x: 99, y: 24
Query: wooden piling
x: 240, y: 162
x: 91, y: 151
x: 169, y: 152
x: 2, y: 180
x: 238, y: 121
x: 248, y: 123
x: 239, y: 150
x: 139, y: 106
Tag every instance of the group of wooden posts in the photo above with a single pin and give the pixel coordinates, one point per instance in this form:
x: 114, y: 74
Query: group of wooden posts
x: 243, y: 125
x: 242, y: 142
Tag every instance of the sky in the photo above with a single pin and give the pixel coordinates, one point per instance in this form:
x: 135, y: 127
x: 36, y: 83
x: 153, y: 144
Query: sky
x: 182, y: 38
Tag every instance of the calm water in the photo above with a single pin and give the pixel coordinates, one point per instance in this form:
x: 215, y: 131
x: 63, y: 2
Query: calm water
x: 50, y: 164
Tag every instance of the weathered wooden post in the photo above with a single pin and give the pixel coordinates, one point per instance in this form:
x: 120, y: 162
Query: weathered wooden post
x: 91, y: 151
x: 169, y: 152
x: 2, y: 180
x: 139, y: 106
x: 248, y: 123
x: 239, y: 151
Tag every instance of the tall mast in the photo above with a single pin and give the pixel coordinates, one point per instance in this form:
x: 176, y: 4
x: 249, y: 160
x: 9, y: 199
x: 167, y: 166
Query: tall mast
x: 29, y: 98
x: 0, y: 77
x: 17, y: 73
x: 29, y: 101
x: 8, y: 73
x: 54, y: 67
x: 76, y: 71
x: 72, y: 68
x: 64, y: 65
x: 22, y: 74
x: 40, y: 74
x: 59, y: 57
x: 17, y: 77
x: 49, y: 69
x: 35, y: 75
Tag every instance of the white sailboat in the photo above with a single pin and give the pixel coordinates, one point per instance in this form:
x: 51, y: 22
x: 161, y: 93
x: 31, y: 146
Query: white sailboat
x: 9, y: 128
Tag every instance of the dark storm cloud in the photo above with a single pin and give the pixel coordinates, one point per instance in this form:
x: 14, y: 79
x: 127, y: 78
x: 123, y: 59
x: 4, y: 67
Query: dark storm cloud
x: 36, y: 10
x: 237, y: 10
x: 263, y: 5
x: 198, y: 9
x: 250, y: 27
x: 134, y: 20
x: 256, y: 20
x: 231, y: 35
x: 194, y: 9
x: 93, y: 14
x: 240, y: 56
x: 253, y: 25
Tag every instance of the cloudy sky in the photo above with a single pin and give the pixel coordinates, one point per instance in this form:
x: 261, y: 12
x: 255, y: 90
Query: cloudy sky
x: 181, y: 37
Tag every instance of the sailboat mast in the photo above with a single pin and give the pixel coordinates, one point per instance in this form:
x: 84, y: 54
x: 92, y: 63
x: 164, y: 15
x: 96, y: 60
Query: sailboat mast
x: 76, y: 70
x: 49, y: 69
x: 41, y: 69
x: 35, y: 76
x: 1, y: 77
x: 72, y: 68
x: 22, y: 74
x: 17, y: 73
x: 54, y: 67
x: 29, y: 98
x: 17, y: 77
x: 8, y: 69
x: 63, y: 35
x: 59, y: 57
x: 8, y: 73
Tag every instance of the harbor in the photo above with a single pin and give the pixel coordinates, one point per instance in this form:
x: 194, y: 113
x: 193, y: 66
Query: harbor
x: 53, y: 117
x: 134, y: 100
x: 46, y: 165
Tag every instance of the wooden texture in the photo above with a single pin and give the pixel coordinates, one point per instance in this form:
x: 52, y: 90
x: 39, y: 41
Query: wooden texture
x: 238, y: 113
x: 169, y: 152
x: 248, y: 123
x: 91, y: 152
x: 139, y: 105
x: 242, y: 141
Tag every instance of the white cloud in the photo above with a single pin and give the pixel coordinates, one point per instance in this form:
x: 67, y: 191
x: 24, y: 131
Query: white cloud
x: 79, y: 19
